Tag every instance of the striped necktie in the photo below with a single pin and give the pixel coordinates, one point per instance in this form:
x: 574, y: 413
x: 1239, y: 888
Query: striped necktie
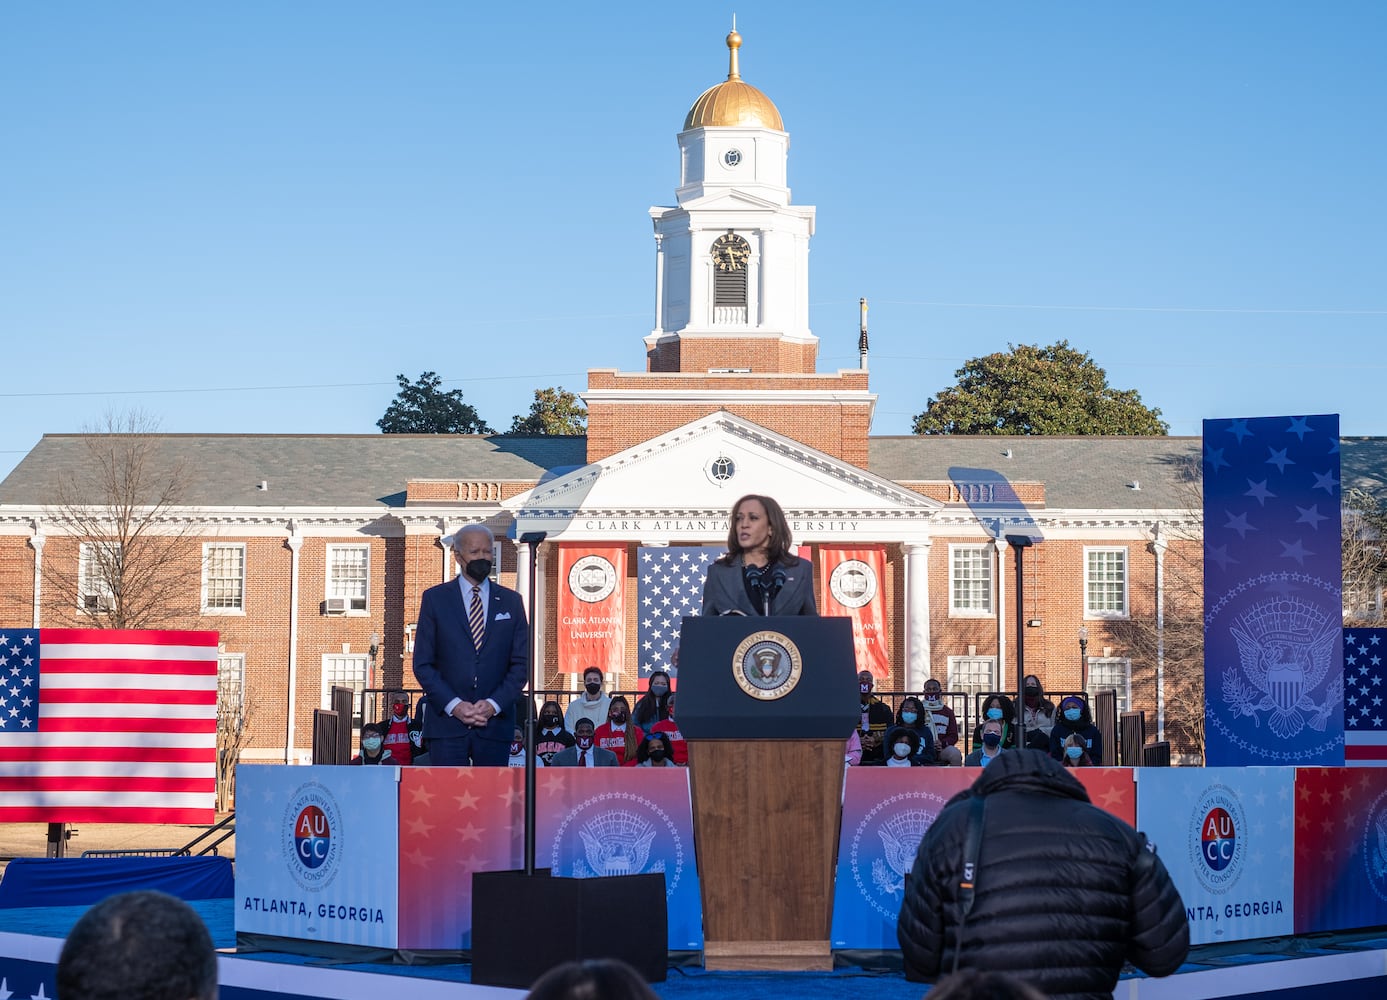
x: 475, y: 618
x: 582, y: 758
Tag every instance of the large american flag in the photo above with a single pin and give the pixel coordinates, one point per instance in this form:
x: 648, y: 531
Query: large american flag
x: 99, y: 725
x: 1365, y: 696
x: 669, y: 586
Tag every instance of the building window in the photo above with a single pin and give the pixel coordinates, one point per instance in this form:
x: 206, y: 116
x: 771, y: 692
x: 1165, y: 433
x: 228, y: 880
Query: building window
x: 970, y: 580
x: 231, y: 684
x: 99, y: 570
x: 973, y: 674
x: 1110, y: 673
x: 346, y: 670
x: 1105, y: 583
x: 223, y: 578
x: 349, y: 574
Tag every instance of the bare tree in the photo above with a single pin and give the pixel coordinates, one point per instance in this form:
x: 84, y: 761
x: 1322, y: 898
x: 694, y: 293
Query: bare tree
x: 1175, y: 647
x: 1365, y: 562
x: 234, y: 710
x: 139, y: 565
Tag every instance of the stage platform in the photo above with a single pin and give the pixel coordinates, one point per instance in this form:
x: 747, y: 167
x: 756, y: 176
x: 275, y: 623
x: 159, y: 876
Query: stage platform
x: 1320, y: 967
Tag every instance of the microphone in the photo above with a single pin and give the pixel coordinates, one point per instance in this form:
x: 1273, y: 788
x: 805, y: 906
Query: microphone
x: 776, y: 585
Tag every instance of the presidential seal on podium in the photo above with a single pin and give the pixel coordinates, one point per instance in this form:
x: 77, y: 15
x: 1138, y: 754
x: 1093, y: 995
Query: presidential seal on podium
x: 767, y: 665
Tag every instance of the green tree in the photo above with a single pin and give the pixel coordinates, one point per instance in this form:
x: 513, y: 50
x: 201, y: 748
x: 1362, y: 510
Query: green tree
x: 554, y: 411
x: 1037, y: 390
x: 422, y: 408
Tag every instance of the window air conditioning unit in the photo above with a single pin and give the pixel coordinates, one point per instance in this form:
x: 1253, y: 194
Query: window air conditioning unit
x: 335, y: 606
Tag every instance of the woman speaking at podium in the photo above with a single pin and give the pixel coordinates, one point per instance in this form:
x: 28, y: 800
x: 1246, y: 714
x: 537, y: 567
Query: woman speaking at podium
x: 759, y: 576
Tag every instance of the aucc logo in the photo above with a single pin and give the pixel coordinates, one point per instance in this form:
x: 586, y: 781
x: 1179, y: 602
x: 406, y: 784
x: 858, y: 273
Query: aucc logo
x: 312, y: 837
x: 1219, y: 839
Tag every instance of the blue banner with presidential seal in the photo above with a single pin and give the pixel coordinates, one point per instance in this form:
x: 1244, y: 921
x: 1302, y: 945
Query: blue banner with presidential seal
x: 1273, y: 639
x: 597, y: 822
x: 1227, y: 837
x: 317, y: 853
x: 886, y: 812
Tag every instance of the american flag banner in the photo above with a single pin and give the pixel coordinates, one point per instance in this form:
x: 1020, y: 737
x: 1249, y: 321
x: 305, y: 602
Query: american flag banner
x: 1365, y: 696
x: 669, y: 586
x: 100, y: 725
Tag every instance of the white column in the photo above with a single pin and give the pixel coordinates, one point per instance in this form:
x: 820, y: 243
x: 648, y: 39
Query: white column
x: 36, y: 541
x: 541, y: 624
x: 659, y: 283
x: 295, y: 543
x: 445, y: 551
x: 1000, y: 545
x: 917, y: 632
x: 753, y: 290
x: 522, y: 576
x: 1159, y: 546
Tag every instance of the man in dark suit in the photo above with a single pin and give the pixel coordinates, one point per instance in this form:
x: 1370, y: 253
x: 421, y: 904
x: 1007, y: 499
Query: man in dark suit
x: 471, y: 656
x: 584, y: 752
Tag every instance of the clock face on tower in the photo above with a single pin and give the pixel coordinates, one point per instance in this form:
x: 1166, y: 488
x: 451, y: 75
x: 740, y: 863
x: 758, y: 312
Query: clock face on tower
x: 731, y: 252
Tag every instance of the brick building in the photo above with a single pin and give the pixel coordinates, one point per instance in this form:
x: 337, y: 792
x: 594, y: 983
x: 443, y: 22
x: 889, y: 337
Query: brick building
x: 310, y: 552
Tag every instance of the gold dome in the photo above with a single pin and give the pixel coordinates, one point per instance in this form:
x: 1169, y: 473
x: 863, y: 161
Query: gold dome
x: 733, y: 102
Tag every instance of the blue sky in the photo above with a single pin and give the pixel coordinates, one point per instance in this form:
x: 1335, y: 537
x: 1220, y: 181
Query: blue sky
x: 249, y: 217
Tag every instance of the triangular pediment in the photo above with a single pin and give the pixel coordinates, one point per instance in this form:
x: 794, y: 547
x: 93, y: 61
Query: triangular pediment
x: 697, y: 471
x: 728, y: 199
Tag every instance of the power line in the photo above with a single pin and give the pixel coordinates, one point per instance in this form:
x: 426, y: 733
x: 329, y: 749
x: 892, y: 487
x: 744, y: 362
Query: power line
x: 1147, y: 309
x: 271, y: 388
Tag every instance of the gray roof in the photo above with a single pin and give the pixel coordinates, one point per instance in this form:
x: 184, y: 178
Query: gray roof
x: 1089, y: 472
x: 362, y: 470
x: 311, y: 470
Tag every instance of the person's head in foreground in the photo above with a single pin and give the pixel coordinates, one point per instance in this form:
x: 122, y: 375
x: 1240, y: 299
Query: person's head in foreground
x: 138, y: 946
x: 971, y: 984
x: 597, y: 979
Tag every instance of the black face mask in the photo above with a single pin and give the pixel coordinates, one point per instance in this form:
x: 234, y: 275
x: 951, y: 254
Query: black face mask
x: 592, y: 687
x: 657, y: 753
x: 991, y: 740
x: 479, y: 569
x: 549, y: 721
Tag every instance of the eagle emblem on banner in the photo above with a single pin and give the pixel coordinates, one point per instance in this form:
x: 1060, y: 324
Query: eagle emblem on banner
x: 1284, y: 646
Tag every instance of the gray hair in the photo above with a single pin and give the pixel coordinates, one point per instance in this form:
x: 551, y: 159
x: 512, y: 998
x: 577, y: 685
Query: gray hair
x: 456, y: 541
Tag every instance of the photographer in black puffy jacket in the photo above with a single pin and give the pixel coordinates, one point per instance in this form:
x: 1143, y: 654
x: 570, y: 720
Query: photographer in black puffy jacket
x: 1063, y: 892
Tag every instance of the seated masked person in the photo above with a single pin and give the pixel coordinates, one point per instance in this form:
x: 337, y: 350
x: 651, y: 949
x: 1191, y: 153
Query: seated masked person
x: 652, y: 707
x: 902, y: 748
x: 397, y: 731
x: 619, y: 734
x: 999, y: 708
x: 1074, y: 717
x: 944, y: 723
x: 758, y: 575
x: 655, y: 751
x: 585, y: 752
x: 679, y: 749
x: 552, y: 736
x: 373, y: 748
x: 912, y: 716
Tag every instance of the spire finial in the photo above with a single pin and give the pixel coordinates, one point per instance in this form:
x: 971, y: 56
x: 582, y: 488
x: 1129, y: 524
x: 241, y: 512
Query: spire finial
x: 734, y: 42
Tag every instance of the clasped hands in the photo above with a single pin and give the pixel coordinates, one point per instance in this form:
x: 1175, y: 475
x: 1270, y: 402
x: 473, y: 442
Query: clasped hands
x: 473, y: 713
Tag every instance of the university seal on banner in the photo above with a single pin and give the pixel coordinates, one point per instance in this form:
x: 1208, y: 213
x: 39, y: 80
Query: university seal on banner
x: 620, y: 835
x: 312, y: 837
x: 884, y: 847
x: 591, y: 579
x: 853, y: 583
x: 1374, y: 846
x: 1218, y: 835
x: 767, y: 665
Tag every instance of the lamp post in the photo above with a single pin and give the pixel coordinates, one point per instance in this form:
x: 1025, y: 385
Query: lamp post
x: 1083, y: 658
x: 1019, y: 543
x: 532, y: 539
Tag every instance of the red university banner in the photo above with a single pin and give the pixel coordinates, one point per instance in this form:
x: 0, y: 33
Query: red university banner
x: 854, y: 581
x: 592, y: 607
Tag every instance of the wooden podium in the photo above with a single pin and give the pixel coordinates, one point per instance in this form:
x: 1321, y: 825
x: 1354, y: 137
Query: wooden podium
x: 766, y: 772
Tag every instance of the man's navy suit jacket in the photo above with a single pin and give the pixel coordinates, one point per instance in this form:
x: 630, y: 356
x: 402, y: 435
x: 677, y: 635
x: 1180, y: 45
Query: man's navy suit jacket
x: 448, y: 665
